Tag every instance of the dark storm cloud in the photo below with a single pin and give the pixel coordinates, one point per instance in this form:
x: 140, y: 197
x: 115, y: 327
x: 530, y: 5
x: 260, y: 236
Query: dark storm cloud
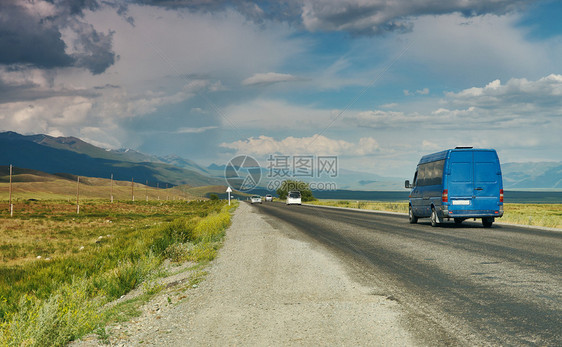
x: 357, y: 17
x: 31, y: 35
x: 380, y: 16
x: 26, y: 40
x: 256, y: 11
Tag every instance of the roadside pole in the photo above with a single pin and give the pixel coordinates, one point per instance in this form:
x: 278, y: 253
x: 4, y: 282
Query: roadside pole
x: 111, y: 187
x: 132, y: 189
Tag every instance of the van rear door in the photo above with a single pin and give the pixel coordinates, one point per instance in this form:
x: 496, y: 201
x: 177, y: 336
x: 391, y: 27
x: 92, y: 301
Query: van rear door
x: 461, y: 178
x: 487, y: 180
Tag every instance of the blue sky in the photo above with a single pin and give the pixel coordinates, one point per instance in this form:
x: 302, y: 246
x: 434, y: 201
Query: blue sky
x: 377, y: 83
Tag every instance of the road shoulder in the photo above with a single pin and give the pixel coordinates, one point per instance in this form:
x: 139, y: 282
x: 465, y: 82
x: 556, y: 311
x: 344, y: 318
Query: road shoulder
x: 266, y: 288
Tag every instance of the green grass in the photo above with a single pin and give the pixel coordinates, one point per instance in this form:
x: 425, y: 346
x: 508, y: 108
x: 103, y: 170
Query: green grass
x: 542, y: 215
x: 52, y: 302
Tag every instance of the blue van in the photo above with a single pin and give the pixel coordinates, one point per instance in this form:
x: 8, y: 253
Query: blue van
x: 457, y: 184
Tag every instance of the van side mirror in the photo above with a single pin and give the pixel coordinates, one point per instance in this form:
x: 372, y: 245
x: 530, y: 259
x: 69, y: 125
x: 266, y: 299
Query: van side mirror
x: 407, y: 184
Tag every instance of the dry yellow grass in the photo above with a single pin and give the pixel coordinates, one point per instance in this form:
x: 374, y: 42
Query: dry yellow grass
x: 543, y: 215
x: 40, y: 188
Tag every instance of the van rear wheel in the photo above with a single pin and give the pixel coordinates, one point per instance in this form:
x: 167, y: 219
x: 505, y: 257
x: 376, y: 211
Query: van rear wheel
x: 434, y: 218
x: 413, y: 219
x: 487, y: 222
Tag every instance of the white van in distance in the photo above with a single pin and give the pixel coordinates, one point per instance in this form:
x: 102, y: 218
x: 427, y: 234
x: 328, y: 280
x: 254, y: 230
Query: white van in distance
x: 294, y: 198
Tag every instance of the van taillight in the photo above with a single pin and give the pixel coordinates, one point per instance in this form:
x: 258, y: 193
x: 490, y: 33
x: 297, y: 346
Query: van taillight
x: 445, y: 195
x: 501, y: 195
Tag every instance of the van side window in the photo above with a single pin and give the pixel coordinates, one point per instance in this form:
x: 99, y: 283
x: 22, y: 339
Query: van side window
x: 438, y: 172
x: 430, y: 173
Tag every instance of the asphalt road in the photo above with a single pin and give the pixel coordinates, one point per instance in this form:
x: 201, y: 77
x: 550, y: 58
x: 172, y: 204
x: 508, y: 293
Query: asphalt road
x: 460, y: 285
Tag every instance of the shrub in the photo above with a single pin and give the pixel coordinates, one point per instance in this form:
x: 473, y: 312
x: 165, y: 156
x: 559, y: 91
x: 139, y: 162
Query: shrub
x: 68, y: 313
x: 213, y: 197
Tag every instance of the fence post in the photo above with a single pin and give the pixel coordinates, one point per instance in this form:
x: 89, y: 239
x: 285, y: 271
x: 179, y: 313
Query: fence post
x: 11, y: 206
x: 78, y: 195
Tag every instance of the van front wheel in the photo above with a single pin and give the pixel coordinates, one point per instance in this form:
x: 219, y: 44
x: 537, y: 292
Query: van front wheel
x: 434, y: 218
x: 413, y: 219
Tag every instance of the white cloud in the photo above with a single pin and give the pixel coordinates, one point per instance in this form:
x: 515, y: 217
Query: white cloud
x: 195, y: 130
x: 517, y: 103
x: 268, y: 78
x: 546, y: 91
x: 315, y: 145
x: 430, y: 146
x: 277, y: 114
x: 423, y: 91
x: 391, y: 105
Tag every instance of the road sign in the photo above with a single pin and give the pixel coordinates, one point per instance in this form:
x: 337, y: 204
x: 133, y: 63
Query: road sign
x: 229, y: 190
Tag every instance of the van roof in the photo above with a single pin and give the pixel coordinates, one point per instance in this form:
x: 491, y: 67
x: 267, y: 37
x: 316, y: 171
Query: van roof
x: 444, y: 154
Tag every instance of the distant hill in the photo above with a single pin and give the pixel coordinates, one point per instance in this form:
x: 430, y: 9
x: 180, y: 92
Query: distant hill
x: 183, y: 163
x: 541, y: 175
x: 74, y: 156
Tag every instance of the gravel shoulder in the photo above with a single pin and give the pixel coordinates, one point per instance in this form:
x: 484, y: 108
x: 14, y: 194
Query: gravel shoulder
x: 266, y: 288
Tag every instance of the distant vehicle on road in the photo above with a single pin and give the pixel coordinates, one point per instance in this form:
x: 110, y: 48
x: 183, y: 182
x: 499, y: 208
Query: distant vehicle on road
x: 268, y: 197
x: 294, y: 198
x: 457, y: 184
x: 255, y: 199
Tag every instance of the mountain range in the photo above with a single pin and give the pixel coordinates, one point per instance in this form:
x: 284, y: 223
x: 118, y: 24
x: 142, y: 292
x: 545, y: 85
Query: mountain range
x: 73, y: 156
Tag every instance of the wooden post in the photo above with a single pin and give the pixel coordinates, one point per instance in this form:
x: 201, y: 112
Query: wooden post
x: 11, y: 206
x: 157, y: 190
x: 78, y: 195
x: 132, y: 188
x: 166, y: 191
x: 146, y: 190
x: 111, y: 187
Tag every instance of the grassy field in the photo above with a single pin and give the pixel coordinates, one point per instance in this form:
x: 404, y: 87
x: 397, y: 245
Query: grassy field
x: 58, y: 268
x: 543, y: 215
